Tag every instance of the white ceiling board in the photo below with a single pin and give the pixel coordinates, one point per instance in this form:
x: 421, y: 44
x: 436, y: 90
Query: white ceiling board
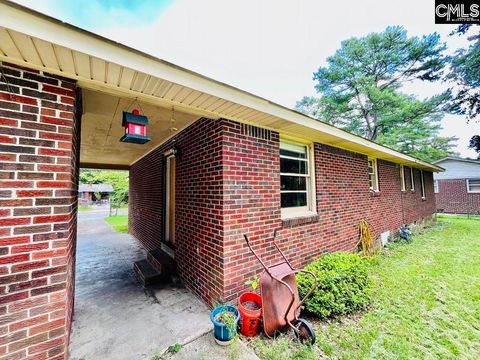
x: 102, y: 129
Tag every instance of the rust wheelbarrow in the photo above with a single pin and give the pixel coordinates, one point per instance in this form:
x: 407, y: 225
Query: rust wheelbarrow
x: 280, y: 300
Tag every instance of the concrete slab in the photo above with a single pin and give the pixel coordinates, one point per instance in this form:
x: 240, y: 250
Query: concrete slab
x: 115, y: 318
x: 205, y: 348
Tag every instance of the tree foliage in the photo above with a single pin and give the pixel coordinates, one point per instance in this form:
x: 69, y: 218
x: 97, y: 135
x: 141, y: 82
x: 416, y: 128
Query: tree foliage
x: 475, y: 143
x: 360, y: 91
x: 465, y: 74
x: 118, y: 180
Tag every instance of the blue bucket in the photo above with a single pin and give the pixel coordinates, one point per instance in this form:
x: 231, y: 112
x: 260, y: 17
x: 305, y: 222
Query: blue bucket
x: 220, y: 330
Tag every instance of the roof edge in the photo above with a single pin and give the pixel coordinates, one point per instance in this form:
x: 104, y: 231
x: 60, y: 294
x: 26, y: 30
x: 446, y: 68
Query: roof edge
x: 150, y: 64
x: 454, y: 158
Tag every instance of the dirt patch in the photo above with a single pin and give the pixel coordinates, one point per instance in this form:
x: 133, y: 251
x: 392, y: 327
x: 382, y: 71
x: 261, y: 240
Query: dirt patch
x: 251, y: 305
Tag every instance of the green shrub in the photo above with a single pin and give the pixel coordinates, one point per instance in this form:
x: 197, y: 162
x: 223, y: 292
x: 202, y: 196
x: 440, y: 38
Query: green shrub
x: 343, y: 285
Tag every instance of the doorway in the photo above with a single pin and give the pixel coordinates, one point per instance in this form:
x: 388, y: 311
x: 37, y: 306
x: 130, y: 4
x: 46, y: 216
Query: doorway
x: 169, y: 236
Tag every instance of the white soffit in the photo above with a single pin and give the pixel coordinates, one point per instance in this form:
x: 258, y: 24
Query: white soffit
x: 41, y: 42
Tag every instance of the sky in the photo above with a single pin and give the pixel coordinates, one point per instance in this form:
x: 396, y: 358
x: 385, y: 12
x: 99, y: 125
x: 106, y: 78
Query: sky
x: 267, y: 47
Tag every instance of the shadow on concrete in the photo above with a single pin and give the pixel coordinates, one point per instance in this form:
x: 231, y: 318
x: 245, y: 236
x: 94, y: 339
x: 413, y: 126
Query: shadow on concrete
x: 115, y: 318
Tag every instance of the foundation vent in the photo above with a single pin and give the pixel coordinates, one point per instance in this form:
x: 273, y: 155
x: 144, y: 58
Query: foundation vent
x: 256, y: 132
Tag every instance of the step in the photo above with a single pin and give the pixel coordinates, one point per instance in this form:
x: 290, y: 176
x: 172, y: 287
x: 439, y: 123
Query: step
x: 161, y: 261
x: 146, y: 274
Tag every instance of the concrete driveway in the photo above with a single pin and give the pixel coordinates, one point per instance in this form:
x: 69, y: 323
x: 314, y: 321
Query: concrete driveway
x: 115, y: 318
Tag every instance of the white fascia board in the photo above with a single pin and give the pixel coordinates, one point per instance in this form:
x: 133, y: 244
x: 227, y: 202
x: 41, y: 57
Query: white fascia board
x: 27, y: 21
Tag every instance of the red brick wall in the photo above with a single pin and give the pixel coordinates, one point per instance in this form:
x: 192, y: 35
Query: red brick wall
x: 252, y: 204
x: 198, y: 214
x: 38, y: 172
x: 453, y: 198
x: 229, y: 185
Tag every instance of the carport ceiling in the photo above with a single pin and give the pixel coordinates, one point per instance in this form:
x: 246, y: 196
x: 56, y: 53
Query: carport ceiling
x: 102, y: 129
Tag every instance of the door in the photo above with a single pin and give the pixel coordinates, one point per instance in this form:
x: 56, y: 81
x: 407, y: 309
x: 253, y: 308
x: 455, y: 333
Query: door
x: 170, y: 200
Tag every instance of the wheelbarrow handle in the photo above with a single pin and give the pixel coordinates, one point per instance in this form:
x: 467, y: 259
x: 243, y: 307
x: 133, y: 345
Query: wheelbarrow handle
x: 315, y: 284
x: 254, y: 253
x: 279, y: 250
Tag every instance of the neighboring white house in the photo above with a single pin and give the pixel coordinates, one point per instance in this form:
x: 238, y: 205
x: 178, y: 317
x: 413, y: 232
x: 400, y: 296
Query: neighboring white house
x: 457, y: 190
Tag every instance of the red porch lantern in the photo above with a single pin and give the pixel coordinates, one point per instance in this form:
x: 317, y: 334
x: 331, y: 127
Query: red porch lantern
x: 135, y: 127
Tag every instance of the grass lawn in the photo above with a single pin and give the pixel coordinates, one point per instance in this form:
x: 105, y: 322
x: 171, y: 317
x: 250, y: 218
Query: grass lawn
x: 84, y: 208
x: 118, y: 222
x: 426, y: 304
x: 123, y: 207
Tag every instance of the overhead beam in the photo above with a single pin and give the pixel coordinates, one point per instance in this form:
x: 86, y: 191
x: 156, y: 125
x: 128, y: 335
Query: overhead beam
x: 86, y: 165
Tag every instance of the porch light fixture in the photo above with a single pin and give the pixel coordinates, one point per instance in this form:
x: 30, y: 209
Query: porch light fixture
x: 135, y: 127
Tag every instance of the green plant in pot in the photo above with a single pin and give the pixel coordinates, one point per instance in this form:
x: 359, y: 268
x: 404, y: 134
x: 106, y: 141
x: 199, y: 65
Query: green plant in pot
x: 253, y: 283
x: 225, y: 320
x: 250, y: 308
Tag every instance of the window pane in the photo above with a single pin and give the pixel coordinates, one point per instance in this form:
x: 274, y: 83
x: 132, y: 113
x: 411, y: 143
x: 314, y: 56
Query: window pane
x: 372, y: 174
x: 294, y: 199
x: 295, y: 150
x: 302, y: 155
x: 293, y: 166
x: 293, y: 183
x: 422, y: 184
x: 474, y: 185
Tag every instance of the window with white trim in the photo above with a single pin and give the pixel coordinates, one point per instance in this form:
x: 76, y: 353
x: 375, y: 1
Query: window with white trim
x: 296, y: 184
x: 422, y: 182
x: 402, y: 178
x: 372, y: 174
x: 473, y: 185
x: 412, y: 180
x: 435, y: 186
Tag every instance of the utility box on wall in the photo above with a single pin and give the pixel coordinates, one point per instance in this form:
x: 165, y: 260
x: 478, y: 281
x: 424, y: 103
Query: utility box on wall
x: 385, y: 237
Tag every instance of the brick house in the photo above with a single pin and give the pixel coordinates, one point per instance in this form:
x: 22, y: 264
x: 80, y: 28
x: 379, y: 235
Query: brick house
x: 221, y: 163
x: 457, y: 190
x: 86, y: 193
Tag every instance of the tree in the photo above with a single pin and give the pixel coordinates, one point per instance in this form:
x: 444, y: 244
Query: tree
x: 360, y: 91
x: 475, y: 143
x: 465, y: 74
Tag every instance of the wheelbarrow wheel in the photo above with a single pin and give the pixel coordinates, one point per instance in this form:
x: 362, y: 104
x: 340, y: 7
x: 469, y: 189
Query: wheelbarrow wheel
x: 305, y: 332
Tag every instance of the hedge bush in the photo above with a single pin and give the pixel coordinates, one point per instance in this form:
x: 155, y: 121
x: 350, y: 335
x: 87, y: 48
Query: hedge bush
x: 343, y: 285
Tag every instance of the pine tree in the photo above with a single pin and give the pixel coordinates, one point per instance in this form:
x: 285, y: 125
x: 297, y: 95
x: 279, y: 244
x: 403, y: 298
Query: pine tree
x: 360, y: 91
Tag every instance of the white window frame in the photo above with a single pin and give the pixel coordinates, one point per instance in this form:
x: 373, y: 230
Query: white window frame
x: 436, y: 186
x: 374, y: 187
x: 310, y: 208
x: 403, y: 185
x: 412, y: 179
x: 468, y: 187
x: 422, y: 182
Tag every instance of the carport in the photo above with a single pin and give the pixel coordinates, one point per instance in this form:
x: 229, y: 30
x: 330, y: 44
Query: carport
x: 77, y: 85
x: 70, y: 88
x: 114, y: 316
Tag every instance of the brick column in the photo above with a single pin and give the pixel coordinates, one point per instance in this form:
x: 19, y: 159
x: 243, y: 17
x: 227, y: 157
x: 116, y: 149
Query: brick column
x: 38, y: 207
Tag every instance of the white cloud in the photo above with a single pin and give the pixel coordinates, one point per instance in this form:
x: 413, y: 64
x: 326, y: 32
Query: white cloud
x: 272, y: 47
